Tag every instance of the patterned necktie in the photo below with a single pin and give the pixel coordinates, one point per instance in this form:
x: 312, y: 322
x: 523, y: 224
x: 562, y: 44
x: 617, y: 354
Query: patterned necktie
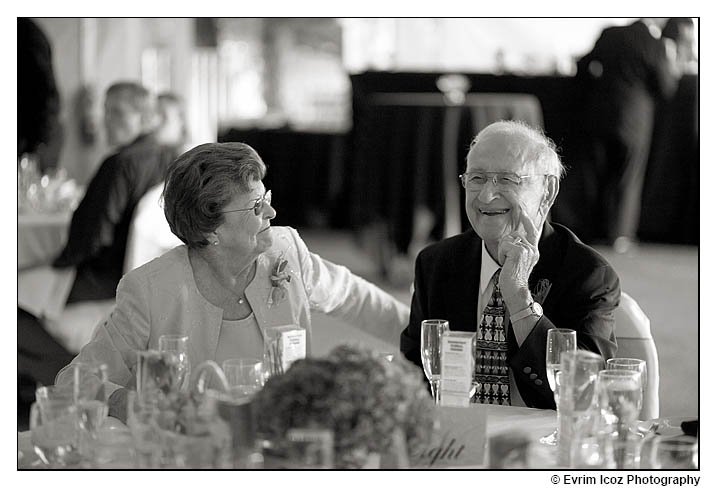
x: 491, y: 369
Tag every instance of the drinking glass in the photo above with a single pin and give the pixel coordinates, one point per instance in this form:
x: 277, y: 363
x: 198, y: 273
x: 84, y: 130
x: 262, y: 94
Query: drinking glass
x: 55, y: 432
x: 634, y: 364
x: 176, y: 348
x: 578, y: 402
x: 113, y: 448
x: 431, y: 333
x: 88, y: 386
x: 157, y: 374
x: 245, y: 376
x: 619, y: 396
x: 141, y: 419
x: 680, y: 452
x: 558, y: 341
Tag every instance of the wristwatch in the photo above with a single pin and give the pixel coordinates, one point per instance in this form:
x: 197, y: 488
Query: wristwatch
x: 534, y: 309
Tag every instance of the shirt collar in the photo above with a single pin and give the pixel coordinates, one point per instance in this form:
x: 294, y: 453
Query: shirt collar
x: 488, y: 268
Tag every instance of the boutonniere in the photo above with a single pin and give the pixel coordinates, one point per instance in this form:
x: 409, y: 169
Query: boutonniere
x: 279, y: 278
x: 541, y: 290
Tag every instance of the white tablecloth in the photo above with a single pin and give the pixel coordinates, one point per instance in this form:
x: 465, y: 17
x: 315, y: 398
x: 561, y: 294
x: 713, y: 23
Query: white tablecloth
x: 40, y: 237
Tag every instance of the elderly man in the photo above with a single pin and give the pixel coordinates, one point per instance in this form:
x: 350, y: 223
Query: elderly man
x: 514, y: 276
x: 100, y: 224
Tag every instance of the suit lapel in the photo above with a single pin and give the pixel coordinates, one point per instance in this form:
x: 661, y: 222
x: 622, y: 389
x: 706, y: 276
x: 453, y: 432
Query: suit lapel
x: 551, y: 255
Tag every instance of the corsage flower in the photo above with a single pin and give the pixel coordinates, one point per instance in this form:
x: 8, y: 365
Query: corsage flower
x: 279, y: 278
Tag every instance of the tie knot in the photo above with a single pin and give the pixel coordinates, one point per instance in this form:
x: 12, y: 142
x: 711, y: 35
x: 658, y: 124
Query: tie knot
x: 495, y: 278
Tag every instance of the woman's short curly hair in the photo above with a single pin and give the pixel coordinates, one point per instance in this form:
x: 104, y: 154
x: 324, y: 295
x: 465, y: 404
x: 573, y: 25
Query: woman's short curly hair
x: 201, y: 182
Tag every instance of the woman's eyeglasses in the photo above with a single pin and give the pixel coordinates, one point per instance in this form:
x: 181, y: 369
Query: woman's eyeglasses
x: 258, y: 206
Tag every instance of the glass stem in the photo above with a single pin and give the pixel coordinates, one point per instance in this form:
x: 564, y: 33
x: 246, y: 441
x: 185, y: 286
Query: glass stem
x: 435, y: 390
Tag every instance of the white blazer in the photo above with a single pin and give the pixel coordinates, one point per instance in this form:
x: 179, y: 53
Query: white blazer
x: 161, y: 297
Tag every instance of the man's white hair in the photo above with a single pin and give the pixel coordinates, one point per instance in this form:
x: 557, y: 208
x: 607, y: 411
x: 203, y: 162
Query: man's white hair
x: 538, y: 149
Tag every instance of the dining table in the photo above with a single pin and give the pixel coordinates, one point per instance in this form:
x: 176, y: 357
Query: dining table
x: 40, y: 237
x: 529, y: 422
x: 518, y: 423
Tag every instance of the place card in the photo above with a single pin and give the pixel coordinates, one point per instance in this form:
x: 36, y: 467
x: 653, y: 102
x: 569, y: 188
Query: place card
x: 459, y: 442
x: 457, y: 367
x: 283, y: 346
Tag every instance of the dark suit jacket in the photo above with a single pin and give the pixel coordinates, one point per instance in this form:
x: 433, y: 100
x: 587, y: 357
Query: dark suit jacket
x: 100, y: 224
x: 580, y: 291
x: 634, y: 74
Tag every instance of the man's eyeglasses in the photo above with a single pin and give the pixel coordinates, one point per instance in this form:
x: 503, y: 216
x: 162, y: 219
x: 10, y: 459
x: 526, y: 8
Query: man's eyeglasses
x: 502, y: 180
x: 259, y: 204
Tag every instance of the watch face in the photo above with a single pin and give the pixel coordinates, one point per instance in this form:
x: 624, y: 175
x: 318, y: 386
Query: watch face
x: 538, y: 310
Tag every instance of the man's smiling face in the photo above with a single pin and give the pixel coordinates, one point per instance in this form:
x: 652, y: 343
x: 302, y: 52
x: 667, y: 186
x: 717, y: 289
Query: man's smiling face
x: 492, y: 209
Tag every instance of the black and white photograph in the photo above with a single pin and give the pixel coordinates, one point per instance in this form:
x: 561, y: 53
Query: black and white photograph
x: 292, y: 243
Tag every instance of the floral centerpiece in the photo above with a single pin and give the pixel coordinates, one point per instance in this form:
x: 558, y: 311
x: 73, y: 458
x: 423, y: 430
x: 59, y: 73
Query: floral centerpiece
x: 355, y: 392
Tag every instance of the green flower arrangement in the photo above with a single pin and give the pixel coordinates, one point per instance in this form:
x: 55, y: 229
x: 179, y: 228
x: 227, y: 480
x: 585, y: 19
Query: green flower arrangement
x: 357, y: 394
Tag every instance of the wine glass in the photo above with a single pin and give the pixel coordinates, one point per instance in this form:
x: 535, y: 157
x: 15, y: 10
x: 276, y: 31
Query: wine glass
x: 245, y: 376
x: 634, y: 364
x: 619, y: 398
x: 431, y: 333
x: 558, y: 341
x: 175, y: 349
x: 55, y: 433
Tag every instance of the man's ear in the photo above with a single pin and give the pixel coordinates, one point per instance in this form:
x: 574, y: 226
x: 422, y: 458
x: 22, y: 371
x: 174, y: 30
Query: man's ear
x: 550, y: 193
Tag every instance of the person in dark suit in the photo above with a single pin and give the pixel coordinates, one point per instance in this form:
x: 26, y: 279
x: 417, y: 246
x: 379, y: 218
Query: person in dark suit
x: 100, y: 224
x: 39, y: 131
x: 529, y: 274
x: 626, y: 72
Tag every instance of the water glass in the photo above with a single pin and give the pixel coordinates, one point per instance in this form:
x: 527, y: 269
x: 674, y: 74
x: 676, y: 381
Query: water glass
x: 156, y: 374
x: 176, y: 348
x: 141, y: 419
x: 619, y: 397
x: 431, y: 332
x: 245, y: 376
x: 634, y: 364
x: 679, y: 452
x: 55, y: 433
x: 578, y: 402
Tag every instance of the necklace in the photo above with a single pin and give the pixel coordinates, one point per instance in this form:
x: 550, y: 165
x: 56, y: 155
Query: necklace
x: 232, y: 294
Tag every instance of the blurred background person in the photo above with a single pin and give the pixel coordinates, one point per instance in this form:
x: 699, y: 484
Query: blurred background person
x: 39, y: 131
x: 98, y: 231
x: 627, y: 71
x: 681, y: 31
x: 172, y: 128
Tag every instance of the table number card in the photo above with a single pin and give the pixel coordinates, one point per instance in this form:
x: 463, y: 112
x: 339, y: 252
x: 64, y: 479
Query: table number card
x: 457, y: 367
x: 459, y: 442
x: 283, y: 346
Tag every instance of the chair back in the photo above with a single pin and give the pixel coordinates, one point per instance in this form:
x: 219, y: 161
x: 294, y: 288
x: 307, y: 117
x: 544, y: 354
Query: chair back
x: 633, y: 335
x: 150, y: 234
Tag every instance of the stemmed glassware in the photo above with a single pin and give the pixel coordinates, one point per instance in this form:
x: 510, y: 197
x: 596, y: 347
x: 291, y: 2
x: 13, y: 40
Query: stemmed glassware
x: 175, y: 348
x: 245, y: 376
x: 633, y: 364
x: 558, y: 341
x: 431, y: 332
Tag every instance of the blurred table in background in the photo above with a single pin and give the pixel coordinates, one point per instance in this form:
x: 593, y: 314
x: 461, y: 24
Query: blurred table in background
x: 41, y: 237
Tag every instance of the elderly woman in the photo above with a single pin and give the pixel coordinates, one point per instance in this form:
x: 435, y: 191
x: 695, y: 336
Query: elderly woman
x: 222, y: 288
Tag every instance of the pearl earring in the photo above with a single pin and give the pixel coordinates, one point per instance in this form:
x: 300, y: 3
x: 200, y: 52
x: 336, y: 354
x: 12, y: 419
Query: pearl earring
x: 215, y: 243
